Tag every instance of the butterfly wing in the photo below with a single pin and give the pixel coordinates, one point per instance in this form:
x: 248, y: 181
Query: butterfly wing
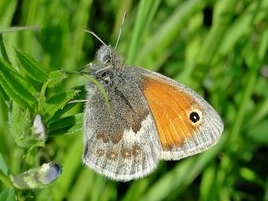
x: 150, y: 117
x: 120, y: 141
x: 185, y: 122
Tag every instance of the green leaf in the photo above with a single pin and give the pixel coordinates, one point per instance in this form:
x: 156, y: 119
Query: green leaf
x: 56, y: 77
x: 3, y: 165
x: 69, y: 109
x: 31, y: 67
x: 67, y: 125
x: 56, y: 102
x: 22, y: 129
x: 16, y: 29
x: 3, y: 49
x: 15, y: 85
x: 7, y: 195
x: 19, y: 100
x: 259, y: 132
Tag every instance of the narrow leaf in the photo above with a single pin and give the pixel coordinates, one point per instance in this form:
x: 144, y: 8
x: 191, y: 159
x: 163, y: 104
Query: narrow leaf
x: 66, y: 126
x: 14, y: 84
x: 56, y: 77
x: 32, y: 67
x: 3, y: 48
x: 57, y: 101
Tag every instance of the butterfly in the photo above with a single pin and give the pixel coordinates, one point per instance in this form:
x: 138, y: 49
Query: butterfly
x: 140, y: 117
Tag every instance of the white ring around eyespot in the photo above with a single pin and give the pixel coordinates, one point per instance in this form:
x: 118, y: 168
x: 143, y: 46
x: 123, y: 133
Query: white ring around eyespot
x: 198, y: 112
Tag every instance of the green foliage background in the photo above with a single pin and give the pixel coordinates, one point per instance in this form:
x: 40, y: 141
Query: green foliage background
x: 218, y: 48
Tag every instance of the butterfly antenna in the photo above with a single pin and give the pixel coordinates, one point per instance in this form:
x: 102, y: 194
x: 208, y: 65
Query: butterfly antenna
x: 120, y: 31
x: 96, y: 36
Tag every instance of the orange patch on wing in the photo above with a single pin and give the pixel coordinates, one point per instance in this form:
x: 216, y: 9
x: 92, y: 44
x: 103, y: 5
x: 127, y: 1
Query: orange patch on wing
x: 170, y: 107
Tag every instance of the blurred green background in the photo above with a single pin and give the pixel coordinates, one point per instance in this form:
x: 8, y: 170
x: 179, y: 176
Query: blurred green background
x: 218, y: 48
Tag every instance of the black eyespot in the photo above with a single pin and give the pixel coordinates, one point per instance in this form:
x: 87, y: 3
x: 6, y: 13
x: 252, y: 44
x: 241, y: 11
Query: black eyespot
x: 194, y: 117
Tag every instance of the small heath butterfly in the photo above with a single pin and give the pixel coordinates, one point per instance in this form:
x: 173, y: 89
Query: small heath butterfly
x: 145, y: 117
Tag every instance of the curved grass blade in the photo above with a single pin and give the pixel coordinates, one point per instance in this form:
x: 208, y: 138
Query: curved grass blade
x: 3, y: 49
x: 16, y: 29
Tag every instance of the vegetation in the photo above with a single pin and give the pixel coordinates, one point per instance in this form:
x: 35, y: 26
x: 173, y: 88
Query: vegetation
x: 218, y: 48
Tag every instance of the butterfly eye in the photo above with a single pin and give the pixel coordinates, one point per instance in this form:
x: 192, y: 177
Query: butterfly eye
x: 195, y: 117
